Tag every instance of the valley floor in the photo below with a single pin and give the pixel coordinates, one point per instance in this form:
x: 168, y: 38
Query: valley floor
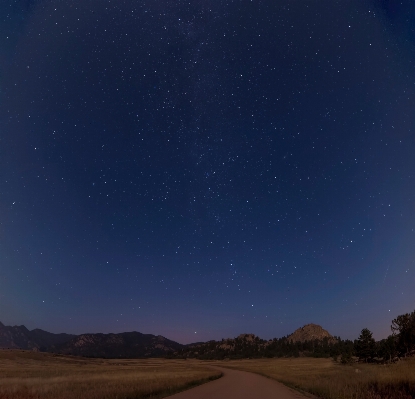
x: 31, y: 375
x: 328, y: 379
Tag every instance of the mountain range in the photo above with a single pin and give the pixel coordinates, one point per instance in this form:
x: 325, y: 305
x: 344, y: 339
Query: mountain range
x: 138, y: 345
x: 19, y: 337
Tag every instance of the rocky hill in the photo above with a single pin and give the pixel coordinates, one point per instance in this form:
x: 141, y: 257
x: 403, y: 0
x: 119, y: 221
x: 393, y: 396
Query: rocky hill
x: 245, y: 345
x: 300, y: 343
x: 311, y: 332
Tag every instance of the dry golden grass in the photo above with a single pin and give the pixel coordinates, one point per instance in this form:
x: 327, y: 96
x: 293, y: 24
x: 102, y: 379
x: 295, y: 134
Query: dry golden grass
x: 29, y: 375
x: 330, y: 380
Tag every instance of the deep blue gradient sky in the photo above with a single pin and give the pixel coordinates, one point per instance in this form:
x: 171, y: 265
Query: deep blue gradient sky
x: 201, y: 169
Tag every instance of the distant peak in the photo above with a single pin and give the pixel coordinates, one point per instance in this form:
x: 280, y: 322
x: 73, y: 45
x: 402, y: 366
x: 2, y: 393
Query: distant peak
x: 310, y: 332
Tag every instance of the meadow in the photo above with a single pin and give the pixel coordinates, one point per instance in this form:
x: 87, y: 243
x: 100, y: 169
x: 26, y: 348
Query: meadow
x: 31, y: 375
x: 328, y: 379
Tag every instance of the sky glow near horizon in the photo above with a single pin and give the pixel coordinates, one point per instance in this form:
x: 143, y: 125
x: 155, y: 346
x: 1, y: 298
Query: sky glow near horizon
x: 205, y: 169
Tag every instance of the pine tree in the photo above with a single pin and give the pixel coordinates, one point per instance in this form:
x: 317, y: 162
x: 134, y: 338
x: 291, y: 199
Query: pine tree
x: 403, y: 327
x: 365, y: 346
x: 388, y: 349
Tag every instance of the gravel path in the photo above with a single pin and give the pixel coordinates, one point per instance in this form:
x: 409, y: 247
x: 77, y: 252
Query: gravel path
x: 240, y: 385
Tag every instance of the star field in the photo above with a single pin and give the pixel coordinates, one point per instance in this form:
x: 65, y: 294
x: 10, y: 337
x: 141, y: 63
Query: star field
x: 204, y: 169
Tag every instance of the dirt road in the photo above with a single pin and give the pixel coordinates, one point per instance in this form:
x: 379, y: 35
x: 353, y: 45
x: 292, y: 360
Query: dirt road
x: 240, y: 385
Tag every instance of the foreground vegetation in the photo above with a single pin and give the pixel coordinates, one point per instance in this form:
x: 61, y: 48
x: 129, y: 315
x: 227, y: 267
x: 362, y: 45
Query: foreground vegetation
x: 328, y: 379
x: 330, y: 371
x: 30, y: 375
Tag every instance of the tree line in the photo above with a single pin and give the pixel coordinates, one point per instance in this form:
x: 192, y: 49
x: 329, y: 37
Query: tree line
x: 400, y: 343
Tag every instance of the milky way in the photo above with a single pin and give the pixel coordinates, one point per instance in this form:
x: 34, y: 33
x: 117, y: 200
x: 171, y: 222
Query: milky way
x: 200, y: 170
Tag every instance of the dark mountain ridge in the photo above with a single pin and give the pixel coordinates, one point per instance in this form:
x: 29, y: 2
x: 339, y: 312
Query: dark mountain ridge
x: 124, y: 345
x: 308, y: 339
x: 19, y: 337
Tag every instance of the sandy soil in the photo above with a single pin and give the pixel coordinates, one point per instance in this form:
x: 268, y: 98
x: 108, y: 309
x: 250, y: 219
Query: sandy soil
x: 240, y: 385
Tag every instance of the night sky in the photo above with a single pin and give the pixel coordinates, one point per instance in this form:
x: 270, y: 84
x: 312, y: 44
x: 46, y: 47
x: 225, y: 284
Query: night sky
x: 205, y: 168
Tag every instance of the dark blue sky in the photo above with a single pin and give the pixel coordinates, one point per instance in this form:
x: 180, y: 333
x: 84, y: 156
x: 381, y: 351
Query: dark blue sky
x: 207, y: 168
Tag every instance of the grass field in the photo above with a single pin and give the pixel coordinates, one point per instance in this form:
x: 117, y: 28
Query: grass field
x: 30, y: 375
x: 330, y: 380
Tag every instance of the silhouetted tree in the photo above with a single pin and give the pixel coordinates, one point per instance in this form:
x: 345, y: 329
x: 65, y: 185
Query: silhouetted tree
x: 388, y: 348
x: 365, y: 346
x: 403, y: 328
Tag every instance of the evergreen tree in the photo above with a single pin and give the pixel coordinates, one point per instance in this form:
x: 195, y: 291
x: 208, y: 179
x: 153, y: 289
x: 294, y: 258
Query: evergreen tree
x: 403, y: 328
x: 365, y: 346
x: 388, y: 349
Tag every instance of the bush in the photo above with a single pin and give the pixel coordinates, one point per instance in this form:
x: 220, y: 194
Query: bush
x: 346, y: 358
